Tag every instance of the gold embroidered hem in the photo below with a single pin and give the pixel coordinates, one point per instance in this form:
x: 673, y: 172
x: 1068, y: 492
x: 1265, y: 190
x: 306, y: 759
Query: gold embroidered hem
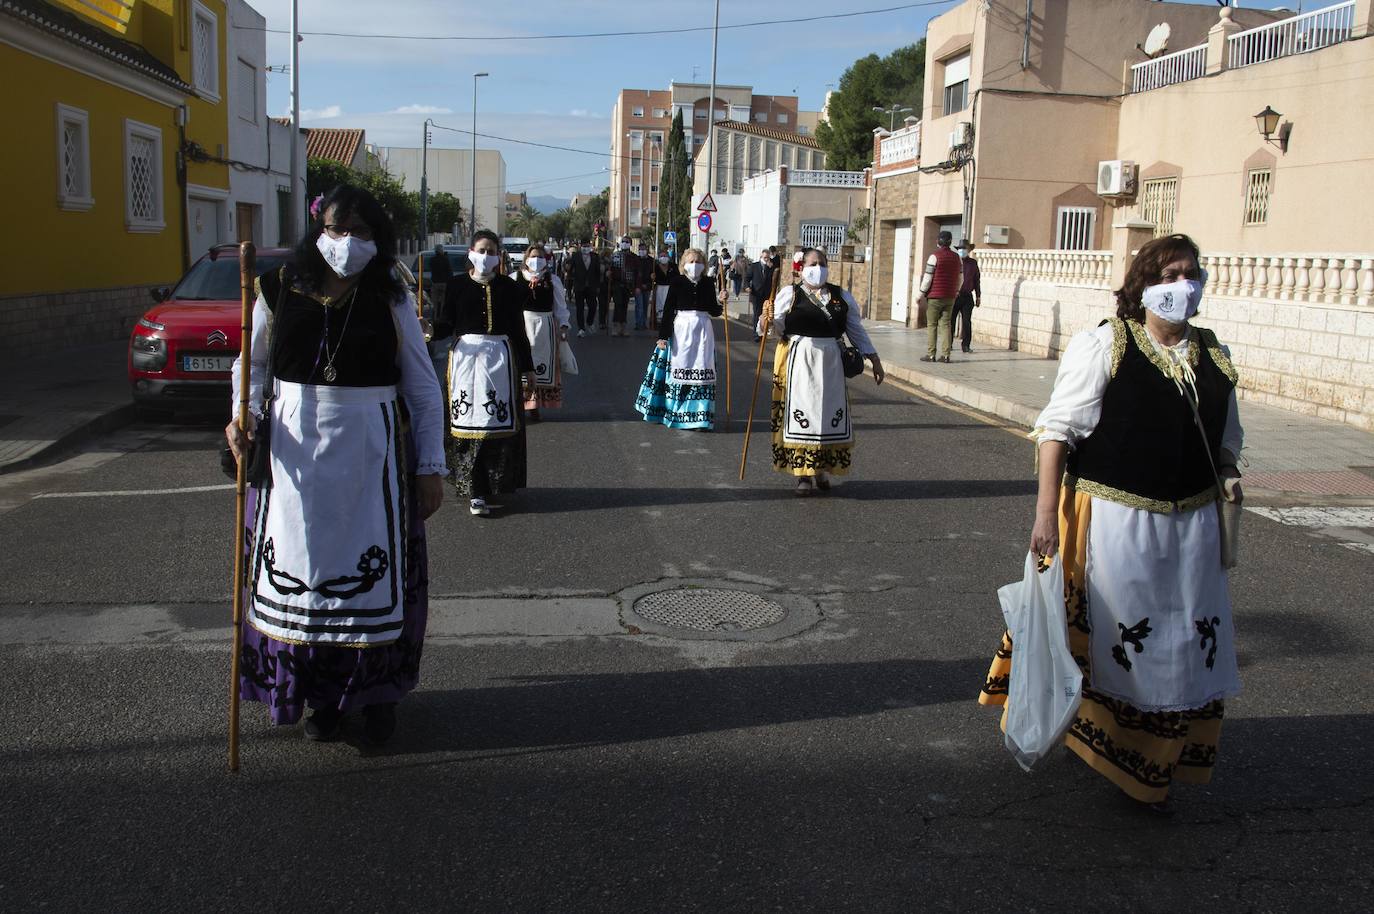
x: 1139, y: 502
x: 1142, y: 753
x: 1118, y: 342
x: 798, y: 459
x: 1213, y: 346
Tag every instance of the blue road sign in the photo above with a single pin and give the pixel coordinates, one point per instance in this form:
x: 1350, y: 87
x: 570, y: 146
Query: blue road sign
x: 704, y: 222
x: 670, y: 237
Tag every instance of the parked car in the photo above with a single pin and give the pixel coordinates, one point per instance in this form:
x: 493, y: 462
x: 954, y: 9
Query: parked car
x: 457, y: 259
x: 182, y: 349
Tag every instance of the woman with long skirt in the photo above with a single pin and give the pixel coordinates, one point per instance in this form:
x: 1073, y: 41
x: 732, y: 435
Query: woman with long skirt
x: 546, y: 328
x: 679, y: 388
x: 1140, y: 433
x: 813, y: 431
x: 336, y: 594
x: 490, y: 359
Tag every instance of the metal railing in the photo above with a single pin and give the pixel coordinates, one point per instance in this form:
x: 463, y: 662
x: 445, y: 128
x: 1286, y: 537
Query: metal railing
x: 1298, y: 35
x: 826, y: 179
x: 1178, y: 67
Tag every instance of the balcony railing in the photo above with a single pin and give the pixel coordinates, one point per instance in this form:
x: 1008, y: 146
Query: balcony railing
x: 1178, y: 67
x: 826, y: 179
x: 902, y: 146
x: 1308, y: 32
x: 1334, y: 279
x: 1091, y: 269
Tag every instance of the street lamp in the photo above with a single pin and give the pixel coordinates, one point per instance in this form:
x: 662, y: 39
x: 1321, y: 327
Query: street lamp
x: 892, y: 113
x: 1268, y: 123
x: 472, y: 201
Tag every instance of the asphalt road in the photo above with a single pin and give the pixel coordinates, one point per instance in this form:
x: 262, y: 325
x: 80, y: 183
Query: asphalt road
x: 558, y: 759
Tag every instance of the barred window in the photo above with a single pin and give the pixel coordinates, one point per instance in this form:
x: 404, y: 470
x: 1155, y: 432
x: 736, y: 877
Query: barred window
x: 722, y: 161
x: 205, y: 51
x: 825, y: 235
x: 1158, y: 201
x: 142, y: 177
x: 1257, y: 184
x: 1074, y: 228
x: 73, y: 159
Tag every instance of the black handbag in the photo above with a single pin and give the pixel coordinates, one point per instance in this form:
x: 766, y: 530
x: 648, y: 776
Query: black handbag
x: 258, y: 472
x: 851, y: 359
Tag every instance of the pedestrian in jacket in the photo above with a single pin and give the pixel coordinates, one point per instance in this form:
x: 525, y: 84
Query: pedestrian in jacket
x: 760, y: 279
x: 970, y: 295
x: 939, y: 287
x: 584, y: 281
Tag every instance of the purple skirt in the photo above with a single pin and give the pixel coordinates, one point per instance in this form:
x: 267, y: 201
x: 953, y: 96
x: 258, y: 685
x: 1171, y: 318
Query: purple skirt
x: 288, y: 678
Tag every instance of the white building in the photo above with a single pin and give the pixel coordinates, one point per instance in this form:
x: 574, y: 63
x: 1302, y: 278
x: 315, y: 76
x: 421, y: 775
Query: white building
x: 450, y: 171
x: 260, y: 193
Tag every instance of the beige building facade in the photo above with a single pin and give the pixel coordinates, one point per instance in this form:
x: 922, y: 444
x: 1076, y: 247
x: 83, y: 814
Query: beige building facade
x: 450, y: 171
x: 892, y: 243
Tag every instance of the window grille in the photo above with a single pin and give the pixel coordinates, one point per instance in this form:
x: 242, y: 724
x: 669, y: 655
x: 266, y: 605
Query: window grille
x: 770, y: 156
x: 143, y: 176
x: 205, y: 51
x: 1074, y: 228
x: 73, y: 159
x: 1257, y: 184
x: 722, y: 161
x: 755, y: 155
x: 824, y: 235
x: 1158, y: 201
x: 737, y: 166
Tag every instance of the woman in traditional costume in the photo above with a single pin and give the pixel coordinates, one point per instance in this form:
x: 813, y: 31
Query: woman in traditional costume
x: 337, y: 599
x: 1140, y: 433
x: 679, y: 388
x: 813, y: 432
x: 546, y: 328
x: 490, y: 359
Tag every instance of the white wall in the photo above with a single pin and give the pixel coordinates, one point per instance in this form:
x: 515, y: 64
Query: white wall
x: 450, y: 171
x: 760, y: 215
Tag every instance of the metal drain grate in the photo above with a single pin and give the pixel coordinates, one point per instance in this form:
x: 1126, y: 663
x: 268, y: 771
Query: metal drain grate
x: 705, y: 609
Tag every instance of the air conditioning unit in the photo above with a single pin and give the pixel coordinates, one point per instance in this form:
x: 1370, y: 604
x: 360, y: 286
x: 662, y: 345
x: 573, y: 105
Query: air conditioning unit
x: 996, y: 234
x: 961, y: 135
x: 1116, y: 178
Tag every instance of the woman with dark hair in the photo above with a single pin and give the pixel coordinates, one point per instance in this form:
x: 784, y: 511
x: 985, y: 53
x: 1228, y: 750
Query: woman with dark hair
x: 813, y: 431
x: 484, y: 309
x: 546, y: 327
x: 337, y: 601
x: 1138, y: 443
x: 679, y: 387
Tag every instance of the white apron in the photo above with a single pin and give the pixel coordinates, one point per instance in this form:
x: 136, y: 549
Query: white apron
x: 1159, y: 605
x: 543, y: 345
x: 693, y: 356
x: 817, y: 407
x: 483, y: 388
x: 329, y: 535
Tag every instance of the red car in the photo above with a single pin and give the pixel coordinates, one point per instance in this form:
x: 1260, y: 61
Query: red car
x: 183, y: 348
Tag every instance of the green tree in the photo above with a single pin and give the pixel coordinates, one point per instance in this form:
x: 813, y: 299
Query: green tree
x: 323, y: 175
x: 444, y: 211
x: 676, y: 186
x: 556, y: 224
x: 589, y: 214
x: 872, y: 81
x: 525, y: 222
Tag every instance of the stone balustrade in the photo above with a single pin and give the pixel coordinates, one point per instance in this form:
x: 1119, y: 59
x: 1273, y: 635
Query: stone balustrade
x: 1334, y: 279
x: 1090, y: 269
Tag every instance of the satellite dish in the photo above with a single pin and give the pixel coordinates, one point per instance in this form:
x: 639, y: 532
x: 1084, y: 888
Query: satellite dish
x: 1157, y: 40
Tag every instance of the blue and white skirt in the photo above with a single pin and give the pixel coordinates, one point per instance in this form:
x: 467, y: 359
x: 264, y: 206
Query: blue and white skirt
x: 679, y: 388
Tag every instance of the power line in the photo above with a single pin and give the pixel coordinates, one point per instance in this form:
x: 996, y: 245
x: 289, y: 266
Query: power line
x: 625, y: 34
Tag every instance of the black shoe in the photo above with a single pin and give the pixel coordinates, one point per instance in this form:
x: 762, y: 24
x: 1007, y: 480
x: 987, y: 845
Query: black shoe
x: 967, y: 349
x: 379, y: 722
x: 944, y: 358
x: 927, y: 358
x: 323, y: 725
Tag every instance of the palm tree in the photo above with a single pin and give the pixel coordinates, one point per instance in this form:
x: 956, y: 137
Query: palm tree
x: 523, y: 222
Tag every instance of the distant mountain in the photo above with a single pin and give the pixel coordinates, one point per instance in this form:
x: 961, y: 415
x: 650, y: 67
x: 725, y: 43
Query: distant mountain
x: 548, y: 205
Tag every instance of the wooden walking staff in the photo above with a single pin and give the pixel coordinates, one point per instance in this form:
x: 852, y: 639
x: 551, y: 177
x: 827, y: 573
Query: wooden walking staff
x: 758, y: 367
x: 722, y: 281
x: 247, y: 271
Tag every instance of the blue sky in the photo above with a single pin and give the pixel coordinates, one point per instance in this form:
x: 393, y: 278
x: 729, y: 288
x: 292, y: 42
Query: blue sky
x: 557, y: 92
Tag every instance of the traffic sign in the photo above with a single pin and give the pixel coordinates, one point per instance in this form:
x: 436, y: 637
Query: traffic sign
x: 707, y: 205
x: 704, y: 221
x: 670, y: 237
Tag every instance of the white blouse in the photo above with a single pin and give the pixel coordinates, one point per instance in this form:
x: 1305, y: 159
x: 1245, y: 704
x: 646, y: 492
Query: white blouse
x: 560, y: 299
x: 853, y: 323
x: 1084, y: 370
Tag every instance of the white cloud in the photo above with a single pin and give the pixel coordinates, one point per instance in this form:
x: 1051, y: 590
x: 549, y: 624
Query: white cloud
x: 420, y: 109
x: 582, y: 112
x: 320, y: 114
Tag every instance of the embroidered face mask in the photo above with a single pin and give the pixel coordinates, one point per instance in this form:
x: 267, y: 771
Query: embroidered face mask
x: 815, y: 275
x: 346, y: 256
x: 694, y: 270
x: 1175, y: 302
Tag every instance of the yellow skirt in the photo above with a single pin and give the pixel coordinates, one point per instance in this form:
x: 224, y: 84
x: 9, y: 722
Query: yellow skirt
x: 1140, y: 752
x: 801, y: 459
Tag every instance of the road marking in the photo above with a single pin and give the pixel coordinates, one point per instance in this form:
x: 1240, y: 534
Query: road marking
x: 1319, y: 518
x: 184, y: 490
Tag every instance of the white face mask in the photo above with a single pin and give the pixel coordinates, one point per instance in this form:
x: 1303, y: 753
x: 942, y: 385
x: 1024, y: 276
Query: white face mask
x: 483, y: 263
x: 586, y: 250
x: 346, y: 256
x: 663, y: 258
x: 624, y: 245
x: 815, y: 275
x: 536, y: 264
x: 694, y: 270
x: 1175, y: 302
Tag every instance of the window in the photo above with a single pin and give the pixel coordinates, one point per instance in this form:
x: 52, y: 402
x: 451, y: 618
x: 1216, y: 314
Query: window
x: 722, y: 162
x: 770, y: 156
x: 782, y: 118
x: 755, y: 155
x: 142, y: 177
x: 247, y: 92
x: 956, y: 83
x: 737, y: 162
x: 284, y: 215
x: 803, y: 130
x: 699, y: 115
x: 803, y: 159
x: 636, y: 167
x: 1158, y: 200
x: 637, y: 112
x: 73, y: 159
x: 636, y: 139
x: 656, y: 137
x: 761, y: 117
x: 1257, y: 184
x: 653, y: 188
x: 1074, y: 228
x: 205, y: 51
x: 660, y: 112
x: 634, y: 217
x: 634, y: 191
x: 697, y: 141
x: 827, y: 235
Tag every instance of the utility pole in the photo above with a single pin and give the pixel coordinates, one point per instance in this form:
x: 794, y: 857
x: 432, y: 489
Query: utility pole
x: 424, y: 186
x: 472, y: 203
x: 711, y: 118
x: 658, y: 194
x: 297, y: 196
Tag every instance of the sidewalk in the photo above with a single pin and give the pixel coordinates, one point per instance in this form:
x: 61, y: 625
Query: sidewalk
x: 1287, y: 453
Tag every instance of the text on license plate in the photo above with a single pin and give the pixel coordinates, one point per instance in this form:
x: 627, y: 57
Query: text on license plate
x: 207, y: 362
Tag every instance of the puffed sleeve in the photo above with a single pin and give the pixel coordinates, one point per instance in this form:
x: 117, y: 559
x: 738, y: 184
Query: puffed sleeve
x: 782, y: 303
x: 854, y: 326
x: 560, y: 302
x: 257, y: 358
x: 420, y: 389
x: 665, y: 321
x: 1076, y: 401
x: 1233, y: 435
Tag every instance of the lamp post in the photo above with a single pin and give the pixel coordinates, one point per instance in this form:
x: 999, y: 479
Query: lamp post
x: 297, y: 193
x: 892, y: 113
x: 472, y: 201
x: 658, y: 194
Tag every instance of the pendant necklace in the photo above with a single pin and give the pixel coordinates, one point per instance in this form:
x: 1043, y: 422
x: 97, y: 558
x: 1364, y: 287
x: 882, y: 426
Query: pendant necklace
x: 331, y: 374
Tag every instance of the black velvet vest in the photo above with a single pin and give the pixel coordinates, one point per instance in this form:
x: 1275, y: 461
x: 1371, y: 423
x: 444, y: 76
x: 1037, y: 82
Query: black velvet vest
x: 539, y: 298
x: 361, y: 337
x: 806, y: 318
x: 1146, y: 451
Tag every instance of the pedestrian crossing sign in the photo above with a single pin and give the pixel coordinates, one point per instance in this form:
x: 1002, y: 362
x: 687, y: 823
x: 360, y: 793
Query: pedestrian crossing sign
x: 707, y: 205
x: 670, y: 237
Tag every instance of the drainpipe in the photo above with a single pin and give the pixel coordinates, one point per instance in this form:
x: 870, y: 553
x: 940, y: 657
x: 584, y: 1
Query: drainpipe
x: 182, y: 116
x: 1025, y: 42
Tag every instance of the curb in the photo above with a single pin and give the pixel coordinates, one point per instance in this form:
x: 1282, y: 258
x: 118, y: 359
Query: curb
x: 966, y: 395
x: 108, y: 421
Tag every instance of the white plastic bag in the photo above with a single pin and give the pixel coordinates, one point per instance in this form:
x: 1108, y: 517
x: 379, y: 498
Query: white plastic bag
x: 565, y: 358
x: 1046, y: 684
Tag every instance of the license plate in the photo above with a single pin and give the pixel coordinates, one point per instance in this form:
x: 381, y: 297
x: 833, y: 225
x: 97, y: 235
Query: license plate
x: 221, y: 363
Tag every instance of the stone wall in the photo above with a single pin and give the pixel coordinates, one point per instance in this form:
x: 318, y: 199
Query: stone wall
x: 57, y: 319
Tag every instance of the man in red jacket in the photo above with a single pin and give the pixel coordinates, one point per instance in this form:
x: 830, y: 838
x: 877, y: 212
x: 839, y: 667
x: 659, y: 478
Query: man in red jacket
x: 944, y: 275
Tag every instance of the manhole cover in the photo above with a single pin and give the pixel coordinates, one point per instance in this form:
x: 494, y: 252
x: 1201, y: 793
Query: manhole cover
x: 705, y: 609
